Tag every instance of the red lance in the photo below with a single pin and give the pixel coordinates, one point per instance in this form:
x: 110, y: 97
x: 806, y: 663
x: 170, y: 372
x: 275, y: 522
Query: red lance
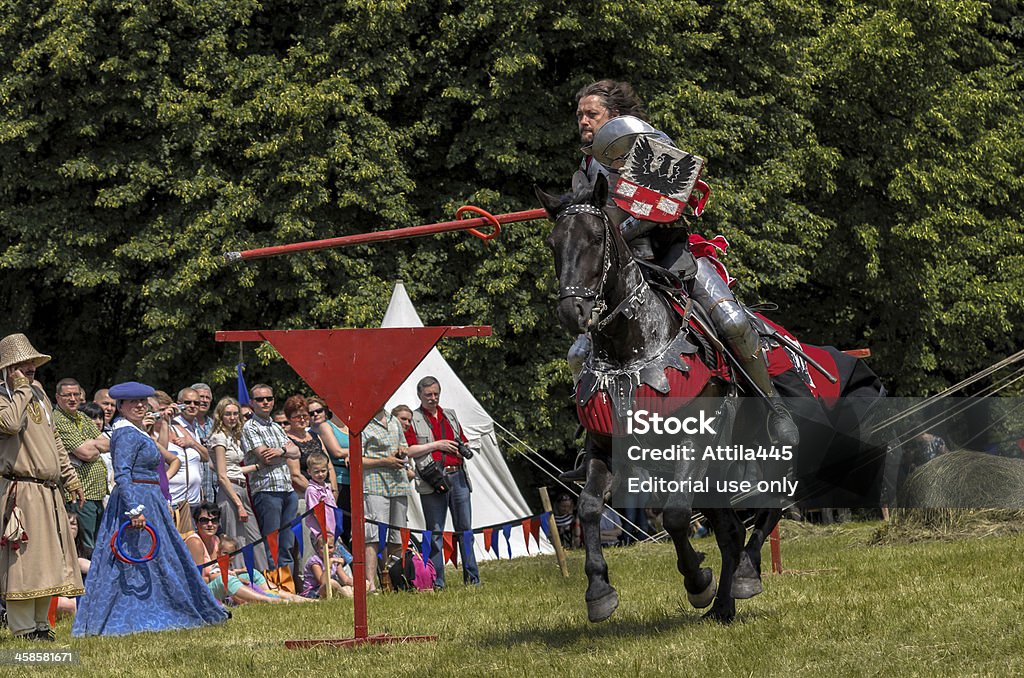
x: 461, y: 223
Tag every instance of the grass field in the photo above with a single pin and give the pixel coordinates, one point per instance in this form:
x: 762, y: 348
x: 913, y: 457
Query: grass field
x: 842, y: 608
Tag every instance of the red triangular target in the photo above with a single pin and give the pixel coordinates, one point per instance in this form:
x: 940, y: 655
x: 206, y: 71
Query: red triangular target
x: 355, y: 371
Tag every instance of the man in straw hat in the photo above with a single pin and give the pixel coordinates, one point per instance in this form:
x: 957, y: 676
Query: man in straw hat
x: 37, y: 554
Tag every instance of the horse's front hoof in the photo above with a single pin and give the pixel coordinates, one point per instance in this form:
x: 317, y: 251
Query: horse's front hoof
x: 703, y: 598
x: 746, y: 588
x: 746, y: 582
x: 602, y: 608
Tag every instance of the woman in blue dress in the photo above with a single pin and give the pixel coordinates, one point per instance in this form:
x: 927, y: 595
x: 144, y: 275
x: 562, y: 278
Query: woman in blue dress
x: 165, y: 592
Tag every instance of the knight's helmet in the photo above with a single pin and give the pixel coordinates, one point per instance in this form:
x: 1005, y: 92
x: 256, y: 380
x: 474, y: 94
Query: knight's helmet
x: 614, y: 140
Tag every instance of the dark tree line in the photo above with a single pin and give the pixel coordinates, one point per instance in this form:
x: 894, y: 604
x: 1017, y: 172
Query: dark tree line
x: 865, y: 160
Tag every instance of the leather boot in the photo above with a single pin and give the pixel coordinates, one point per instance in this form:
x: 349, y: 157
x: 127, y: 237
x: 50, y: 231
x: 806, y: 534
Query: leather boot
x: 781, y: 427
x: 577, y: 475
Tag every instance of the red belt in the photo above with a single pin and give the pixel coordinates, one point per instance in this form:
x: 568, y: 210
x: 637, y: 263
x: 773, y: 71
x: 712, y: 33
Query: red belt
x: 145, y: 482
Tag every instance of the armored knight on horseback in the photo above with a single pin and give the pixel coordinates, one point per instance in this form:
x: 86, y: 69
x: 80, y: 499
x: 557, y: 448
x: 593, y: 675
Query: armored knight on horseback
x: 614, y: 134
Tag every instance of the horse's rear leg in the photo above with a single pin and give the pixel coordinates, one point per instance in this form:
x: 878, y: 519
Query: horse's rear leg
x: 698, y: 581
x: 602, y: 600
x: 747, y: 581
x: 729, y: 533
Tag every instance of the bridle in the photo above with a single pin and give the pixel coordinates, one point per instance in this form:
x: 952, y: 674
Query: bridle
x: 636, y: 296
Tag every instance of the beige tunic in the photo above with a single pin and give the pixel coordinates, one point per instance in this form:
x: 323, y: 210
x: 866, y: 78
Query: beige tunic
x: 47, y: 563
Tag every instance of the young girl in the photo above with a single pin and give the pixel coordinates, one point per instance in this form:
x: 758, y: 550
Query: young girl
x: 319, y: 491
x: 313, y: 577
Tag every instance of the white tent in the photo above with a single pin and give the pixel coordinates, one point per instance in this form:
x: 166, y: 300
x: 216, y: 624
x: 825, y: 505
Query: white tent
x: 496, y: 498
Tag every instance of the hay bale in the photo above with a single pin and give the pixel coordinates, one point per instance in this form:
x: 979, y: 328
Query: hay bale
x: 961, y: 494
x: 966, y: 480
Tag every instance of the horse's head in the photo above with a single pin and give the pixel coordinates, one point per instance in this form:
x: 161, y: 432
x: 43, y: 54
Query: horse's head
x: 587, y: 252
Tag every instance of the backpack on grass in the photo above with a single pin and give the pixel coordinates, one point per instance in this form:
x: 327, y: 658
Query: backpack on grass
x: 411, y: 573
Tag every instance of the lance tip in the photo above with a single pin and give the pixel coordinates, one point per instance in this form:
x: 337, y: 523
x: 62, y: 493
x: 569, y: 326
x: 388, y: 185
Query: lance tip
x: 233, y: 257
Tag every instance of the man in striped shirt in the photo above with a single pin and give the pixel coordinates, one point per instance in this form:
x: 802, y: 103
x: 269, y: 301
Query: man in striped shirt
x: 273, y: 499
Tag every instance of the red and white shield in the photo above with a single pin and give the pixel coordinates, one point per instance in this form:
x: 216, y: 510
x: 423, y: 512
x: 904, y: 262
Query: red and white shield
x: 658, y: 180
x: 643, y: 203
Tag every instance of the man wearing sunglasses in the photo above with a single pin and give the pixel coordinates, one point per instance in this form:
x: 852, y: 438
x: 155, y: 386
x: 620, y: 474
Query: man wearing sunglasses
x: 202, y: 429
x: 268, y: 448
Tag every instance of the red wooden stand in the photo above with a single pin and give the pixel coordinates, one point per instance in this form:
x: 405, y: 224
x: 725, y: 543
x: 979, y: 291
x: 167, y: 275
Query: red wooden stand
x: 355, y: 372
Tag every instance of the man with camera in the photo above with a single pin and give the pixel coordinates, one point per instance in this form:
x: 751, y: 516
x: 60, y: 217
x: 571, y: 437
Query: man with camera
x: 436, y: 436
x: 385, y: 487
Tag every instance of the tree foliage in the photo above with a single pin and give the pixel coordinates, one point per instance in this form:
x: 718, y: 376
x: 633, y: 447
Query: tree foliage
x: 865, y: 160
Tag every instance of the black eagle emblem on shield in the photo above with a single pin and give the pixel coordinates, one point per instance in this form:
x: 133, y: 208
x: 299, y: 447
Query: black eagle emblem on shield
x: 662, y: 168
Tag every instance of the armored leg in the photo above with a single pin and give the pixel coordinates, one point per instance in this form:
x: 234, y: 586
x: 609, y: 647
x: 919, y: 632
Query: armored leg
x: 710, y: 291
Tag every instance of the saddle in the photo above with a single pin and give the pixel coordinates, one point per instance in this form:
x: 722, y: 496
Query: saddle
x: 605, y: 393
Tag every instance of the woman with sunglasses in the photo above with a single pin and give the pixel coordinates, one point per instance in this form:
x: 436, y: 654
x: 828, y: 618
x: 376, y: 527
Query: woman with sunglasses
x: 296, y: 428
x: 142, y: 577
x: 204, y: 545
x: 335, y: 441
x: 237, y: 517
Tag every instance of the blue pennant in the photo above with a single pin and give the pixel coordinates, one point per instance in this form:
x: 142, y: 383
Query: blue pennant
x: 428, y: 542
x: 544, y: 518
x: 243, y: 390
x: 248, y: 555
x: 507, y: 531
x: 467, y: 543
x: 494, y: 543
x: 382, y: 540
x: 297, y: 531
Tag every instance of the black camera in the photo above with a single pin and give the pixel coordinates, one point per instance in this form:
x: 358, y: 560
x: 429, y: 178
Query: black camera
x: 464, y: 450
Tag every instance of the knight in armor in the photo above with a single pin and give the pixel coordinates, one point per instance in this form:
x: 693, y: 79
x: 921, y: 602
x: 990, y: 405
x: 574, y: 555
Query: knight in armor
x: 611, y: 119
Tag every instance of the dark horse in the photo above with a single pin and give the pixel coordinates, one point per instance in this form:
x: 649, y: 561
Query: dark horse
x: 643, y: 349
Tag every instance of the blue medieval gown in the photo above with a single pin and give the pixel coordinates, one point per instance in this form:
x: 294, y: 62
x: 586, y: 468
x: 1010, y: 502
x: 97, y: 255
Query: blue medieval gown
x: 164, y: 593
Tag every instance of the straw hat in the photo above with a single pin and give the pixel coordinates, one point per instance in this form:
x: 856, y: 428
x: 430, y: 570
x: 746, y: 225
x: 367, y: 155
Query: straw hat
x: 16, y: 348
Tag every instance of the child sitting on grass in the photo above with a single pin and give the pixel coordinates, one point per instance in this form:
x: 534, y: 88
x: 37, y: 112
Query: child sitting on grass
x: 240, y: 588
x: 314, y: 585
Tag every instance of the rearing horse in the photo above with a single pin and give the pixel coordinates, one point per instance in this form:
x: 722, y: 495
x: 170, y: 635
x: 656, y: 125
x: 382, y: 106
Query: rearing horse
x: 642, y: 349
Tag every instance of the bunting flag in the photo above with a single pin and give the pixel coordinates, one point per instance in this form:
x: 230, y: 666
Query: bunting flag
x: 545, y: 520
x: 494, y: 543
x: 428, y: 538
x: 487, y: 539
x: 51, y: 615
x: 535, y: 529
x: 403, y: 535
x: 382, y: 540
x: 507, y: 531
x: 339, y: 519
x: 224, y: 563
x: 526, y: 533
x: 249, y: 556
x: 297, y: 531
x: 467, y: 543
x: 271, y: 540
x: 243, y: 390
x: 320, y: 511
x: 449, y: 549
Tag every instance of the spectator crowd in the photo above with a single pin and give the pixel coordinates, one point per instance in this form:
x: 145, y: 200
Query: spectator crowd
x: 231, y: 474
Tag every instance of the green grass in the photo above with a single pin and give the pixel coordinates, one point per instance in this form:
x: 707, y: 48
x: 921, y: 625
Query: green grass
x: 842, y: 608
